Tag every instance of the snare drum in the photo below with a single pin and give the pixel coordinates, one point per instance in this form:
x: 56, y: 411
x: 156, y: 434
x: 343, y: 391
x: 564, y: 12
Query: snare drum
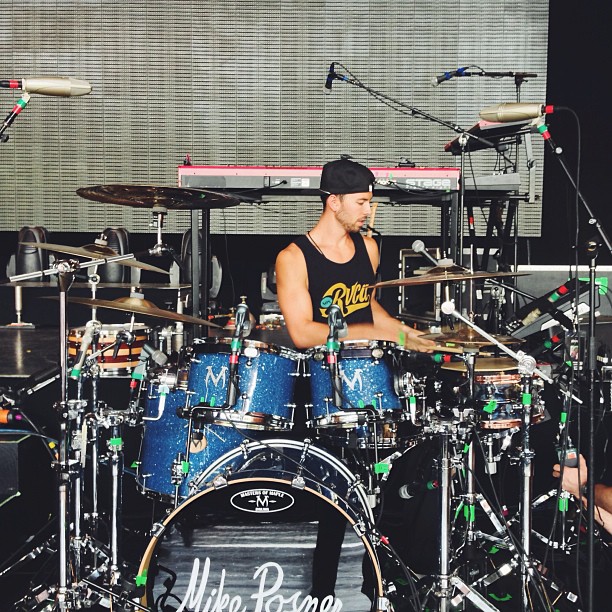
x: 497, y: 393
x: 110, y: 365
x: 250, y: 536
x: 162, y: 463
x: 498, y: 399
x: 266, y: 381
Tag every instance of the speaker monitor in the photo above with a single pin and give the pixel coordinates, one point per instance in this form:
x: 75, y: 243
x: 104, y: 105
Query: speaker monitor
x: 29, y: 258
x: 118, y: 239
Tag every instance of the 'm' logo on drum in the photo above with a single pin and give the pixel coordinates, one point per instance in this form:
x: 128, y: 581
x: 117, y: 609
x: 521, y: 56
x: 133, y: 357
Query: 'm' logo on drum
x: 215, y: 379
x: 357, y: 379
x: 262, y: 500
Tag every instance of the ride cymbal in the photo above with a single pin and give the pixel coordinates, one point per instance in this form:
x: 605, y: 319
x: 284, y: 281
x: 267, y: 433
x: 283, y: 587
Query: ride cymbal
x: 140, y: 306
x: 94, y: 251
x: 440, y: 274
x: 151, y: 196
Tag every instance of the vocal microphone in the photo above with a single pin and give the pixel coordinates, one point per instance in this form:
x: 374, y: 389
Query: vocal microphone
x: 331, y: 75
x: 408, y: 491
x: 516, y: 111
x: 374, y: 231
x: 63, y: 87
x: 92, y: 328
x: 447, y: 76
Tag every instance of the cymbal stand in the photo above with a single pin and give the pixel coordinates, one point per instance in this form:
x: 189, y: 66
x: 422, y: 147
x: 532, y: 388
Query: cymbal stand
x: 67, y: 468
x: 446, y: 579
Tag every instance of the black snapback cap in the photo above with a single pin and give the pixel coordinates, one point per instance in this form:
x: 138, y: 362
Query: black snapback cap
x: 346, y: 176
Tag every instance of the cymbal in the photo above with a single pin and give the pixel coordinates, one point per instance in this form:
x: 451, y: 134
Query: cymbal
x: 94, y: 251
x: 151, y: 196
x: 483, y: 364
x: 439, y: 274
x: 468, y: 338
x: 140, y: 306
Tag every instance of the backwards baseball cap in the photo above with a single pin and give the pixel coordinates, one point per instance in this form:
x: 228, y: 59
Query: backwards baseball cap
x: 346, y: 176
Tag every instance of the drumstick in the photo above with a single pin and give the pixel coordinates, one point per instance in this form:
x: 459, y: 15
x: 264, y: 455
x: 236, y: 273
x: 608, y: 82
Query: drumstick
x: 374, y: 206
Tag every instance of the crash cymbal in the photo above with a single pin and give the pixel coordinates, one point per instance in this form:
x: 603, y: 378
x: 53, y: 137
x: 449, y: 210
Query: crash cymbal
x: 151, y: 196
x: 468, y: 338
x: 140, y: 306
x: 483, y: 364
x: 94, y: 251
x: 440, y: 274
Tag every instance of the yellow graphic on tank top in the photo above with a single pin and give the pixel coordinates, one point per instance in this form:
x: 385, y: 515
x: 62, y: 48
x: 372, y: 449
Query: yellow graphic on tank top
x: 348, y: 299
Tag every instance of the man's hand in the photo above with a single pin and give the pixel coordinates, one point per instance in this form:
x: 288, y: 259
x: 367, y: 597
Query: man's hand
x: 412, y: 340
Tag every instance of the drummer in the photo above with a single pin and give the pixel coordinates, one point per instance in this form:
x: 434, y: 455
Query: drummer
x: 334, y: 264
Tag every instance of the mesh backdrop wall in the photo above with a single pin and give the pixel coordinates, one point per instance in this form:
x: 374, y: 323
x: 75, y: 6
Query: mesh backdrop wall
x: 241, y: 82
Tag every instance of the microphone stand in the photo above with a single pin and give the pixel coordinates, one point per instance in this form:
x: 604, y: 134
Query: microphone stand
x: 592, y: 249
x: 456, y: 228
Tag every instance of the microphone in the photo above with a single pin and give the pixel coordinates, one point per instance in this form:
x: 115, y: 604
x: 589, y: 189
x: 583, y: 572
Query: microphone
x: 447, y: 76
x: 418, y: 246
x: 337, y: 328
x: 64, y: 87
x: 515, y: 111
x: 158, y: 357
x: 91, y: 329
x: 336, y: 322
x: 331, y: 75
x: 408, y: 491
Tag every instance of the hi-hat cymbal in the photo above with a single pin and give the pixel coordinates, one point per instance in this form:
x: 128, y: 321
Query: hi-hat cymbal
x: 151, y: 196
x: 483, y: 364
x: 140, y: 306
x: 439, y: 274
x: 468, y: 338
x: 94, y: 251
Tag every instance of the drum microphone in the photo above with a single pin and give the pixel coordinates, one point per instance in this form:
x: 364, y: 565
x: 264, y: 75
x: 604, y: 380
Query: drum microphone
x: 337, y: 329
x: 63, y: 87
x: 336, y: 322
x: 157, y: 357
x: 418, y: 246
x: 242, y: 326
x: 92, y: 329
x: 408, y: 491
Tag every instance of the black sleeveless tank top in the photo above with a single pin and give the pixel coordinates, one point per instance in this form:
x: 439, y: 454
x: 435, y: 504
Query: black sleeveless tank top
x: 344, y: 284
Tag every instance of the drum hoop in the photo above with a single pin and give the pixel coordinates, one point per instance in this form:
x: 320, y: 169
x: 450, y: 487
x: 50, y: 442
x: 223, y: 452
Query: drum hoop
x: 155, y: 538
x: 356, y: 348
x: 112, y: 327
x: 259, y: 445
x: 263, y: 347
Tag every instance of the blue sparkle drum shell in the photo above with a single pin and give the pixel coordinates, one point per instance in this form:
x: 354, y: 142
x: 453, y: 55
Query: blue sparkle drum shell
x: 366, y: 370
x: 252, y: 536
x: 164, y: 444
x: 266, y: 383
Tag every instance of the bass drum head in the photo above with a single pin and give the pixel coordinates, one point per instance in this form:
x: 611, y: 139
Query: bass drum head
x: 251, y: 543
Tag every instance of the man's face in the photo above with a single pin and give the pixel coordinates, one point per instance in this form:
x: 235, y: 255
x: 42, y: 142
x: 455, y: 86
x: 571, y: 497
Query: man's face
x: 352, y: 210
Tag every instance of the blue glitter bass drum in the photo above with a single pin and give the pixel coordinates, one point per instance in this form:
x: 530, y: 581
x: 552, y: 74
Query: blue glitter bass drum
x: 255, y: 537
x: 167, y: 460
x: 266, y: 377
